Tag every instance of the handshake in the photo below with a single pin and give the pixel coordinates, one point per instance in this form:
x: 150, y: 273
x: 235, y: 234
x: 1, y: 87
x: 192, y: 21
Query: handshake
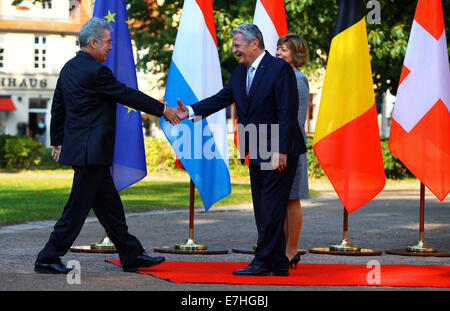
x: 175, y: 115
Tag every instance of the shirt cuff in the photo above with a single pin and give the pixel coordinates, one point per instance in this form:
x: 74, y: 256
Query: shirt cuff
x: 191, y: 112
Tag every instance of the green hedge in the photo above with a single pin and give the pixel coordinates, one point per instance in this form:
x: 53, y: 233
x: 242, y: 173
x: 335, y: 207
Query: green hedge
x: 19, y: 152
x: 314, y: 168
x: 160, y: 158
x: 393, y: 168
x: 159, y: 155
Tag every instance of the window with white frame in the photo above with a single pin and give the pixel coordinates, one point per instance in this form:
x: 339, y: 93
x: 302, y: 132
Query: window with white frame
x: 40, y: 52
x: 47, y: 4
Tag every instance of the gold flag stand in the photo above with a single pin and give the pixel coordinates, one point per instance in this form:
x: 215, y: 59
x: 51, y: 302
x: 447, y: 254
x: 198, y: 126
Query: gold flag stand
x: 344, y: 247
x: 420, y: 249
x: 190, y: 246
x: 251, y: 250
x: 104, y: 246
x: 106, y: 243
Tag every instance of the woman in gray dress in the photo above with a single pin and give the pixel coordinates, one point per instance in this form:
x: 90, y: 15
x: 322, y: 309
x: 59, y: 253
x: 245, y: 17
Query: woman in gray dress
x: 294, y: 50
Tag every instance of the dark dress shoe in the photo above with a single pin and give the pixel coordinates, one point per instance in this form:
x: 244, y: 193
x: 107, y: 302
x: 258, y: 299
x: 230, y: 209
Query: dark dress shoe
x: 144, y: 261
x: 253, y: 270
x: 51, y: 268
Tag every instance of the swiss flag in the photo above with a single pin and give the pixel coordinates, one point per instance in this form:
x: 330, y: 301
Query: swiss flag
x: 420, y: 131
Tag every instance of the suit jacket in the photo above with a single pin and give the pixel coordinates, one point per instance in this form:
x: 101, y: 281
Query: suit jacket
x: 272, y: 100
x: 84, y: 111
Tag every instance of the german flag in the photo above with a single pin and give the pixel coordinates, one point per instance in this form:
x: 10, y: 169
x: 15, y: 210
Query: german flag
x: 347, y: 140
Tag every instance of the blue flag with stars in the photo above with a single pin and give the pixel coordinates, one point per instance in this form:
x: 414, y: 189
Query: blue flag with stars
x: 129, y: 164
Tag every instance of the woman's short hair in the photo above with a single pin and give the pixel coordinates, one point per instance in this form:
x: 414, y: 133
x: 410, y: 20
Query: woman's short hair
x: 93, y: 28
x: 298, y: 47
x: 249, y: 32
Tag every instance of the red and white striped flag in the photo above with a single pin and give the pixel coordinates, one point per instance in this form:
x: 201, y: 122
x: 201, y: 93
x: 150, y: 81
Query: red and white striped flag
x: 420, y: 131
x: 270, y: 17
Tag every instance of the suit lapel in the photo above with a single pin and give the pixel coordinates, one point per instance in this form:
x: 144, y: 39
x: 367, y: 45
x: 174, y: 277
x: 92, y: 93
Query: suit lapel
x: 259, y: 73
x: 243, y: 84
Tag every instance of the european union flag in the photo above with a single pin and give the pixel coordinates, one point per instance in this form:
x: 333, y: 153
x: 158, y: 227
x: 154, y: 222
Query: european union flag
x: 129, y: 164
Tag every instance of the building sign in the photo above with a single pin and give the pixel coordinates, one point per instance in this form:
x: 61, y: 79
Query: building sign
x: 24, y: 82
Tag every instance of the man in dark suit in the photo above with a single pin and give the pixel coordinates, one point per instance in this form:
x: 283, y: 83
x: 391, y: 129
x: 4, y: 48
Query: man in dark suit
x: 264, y: 89
x: 82, y: 132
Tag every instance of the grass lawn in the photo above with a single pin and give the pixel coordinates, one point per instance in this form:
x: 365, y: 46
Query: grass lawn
x: 42, y: 195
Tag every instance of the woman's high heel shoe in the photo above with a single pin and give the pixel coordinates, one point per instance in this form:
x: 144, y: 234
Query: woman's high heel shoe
x: 294, y: 261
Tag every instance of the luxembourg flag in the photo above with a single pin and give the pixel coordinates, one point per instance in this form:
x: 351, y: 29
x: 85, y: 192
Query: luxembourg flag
x: 270, y: 17
x: 420, y: 132
x: 194, y: 74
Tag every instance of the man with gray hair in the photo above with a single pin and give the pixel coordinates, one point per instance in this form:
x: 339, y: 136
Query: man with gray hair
x: 82, y: 133
x: 264, y: 89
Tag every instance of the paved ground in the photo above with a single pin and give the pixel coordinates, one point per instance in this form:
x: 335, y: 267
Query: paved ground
x: 390, y: 221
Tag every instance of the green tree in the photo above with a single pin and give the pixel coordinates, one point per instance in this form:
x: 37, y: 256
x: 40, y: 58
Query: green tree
x: 154, y: 25
x: 154, y: 30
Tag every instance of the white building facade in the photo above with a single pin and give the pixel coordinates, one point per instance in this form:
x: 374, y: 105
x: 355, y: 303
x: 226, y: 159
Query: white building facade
x: 36, y: 40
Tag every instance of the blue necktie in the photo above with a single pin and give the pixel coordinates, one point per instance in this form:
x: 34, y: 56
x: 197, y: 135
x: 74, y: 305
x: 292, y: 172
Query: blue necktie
x: 250, y: 71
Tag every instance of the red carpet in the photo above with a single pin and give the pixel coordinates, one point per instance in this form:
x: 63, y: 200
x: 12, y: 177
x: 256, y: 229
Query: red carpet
x: 305, y: 274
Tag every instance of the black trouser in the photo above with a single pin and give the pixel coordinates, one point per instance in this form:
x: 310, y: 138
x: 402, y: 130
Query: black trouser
x: 270, y: 194
x: 93, y: 187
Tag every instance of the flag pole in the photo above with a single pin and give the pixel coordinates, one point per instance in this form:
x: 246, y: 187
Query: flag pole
x: 420, y: 249
x: 345, y: 245
x: 190, y: 246
x: 421, y: 246
x: 190, y: 243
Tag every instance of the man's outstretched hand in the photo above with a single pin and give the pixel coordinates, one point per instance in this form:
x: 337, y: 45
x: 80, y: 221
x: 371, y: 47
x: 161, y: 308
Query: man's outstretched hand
x: 171, y: 116
x: 181, y: 111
